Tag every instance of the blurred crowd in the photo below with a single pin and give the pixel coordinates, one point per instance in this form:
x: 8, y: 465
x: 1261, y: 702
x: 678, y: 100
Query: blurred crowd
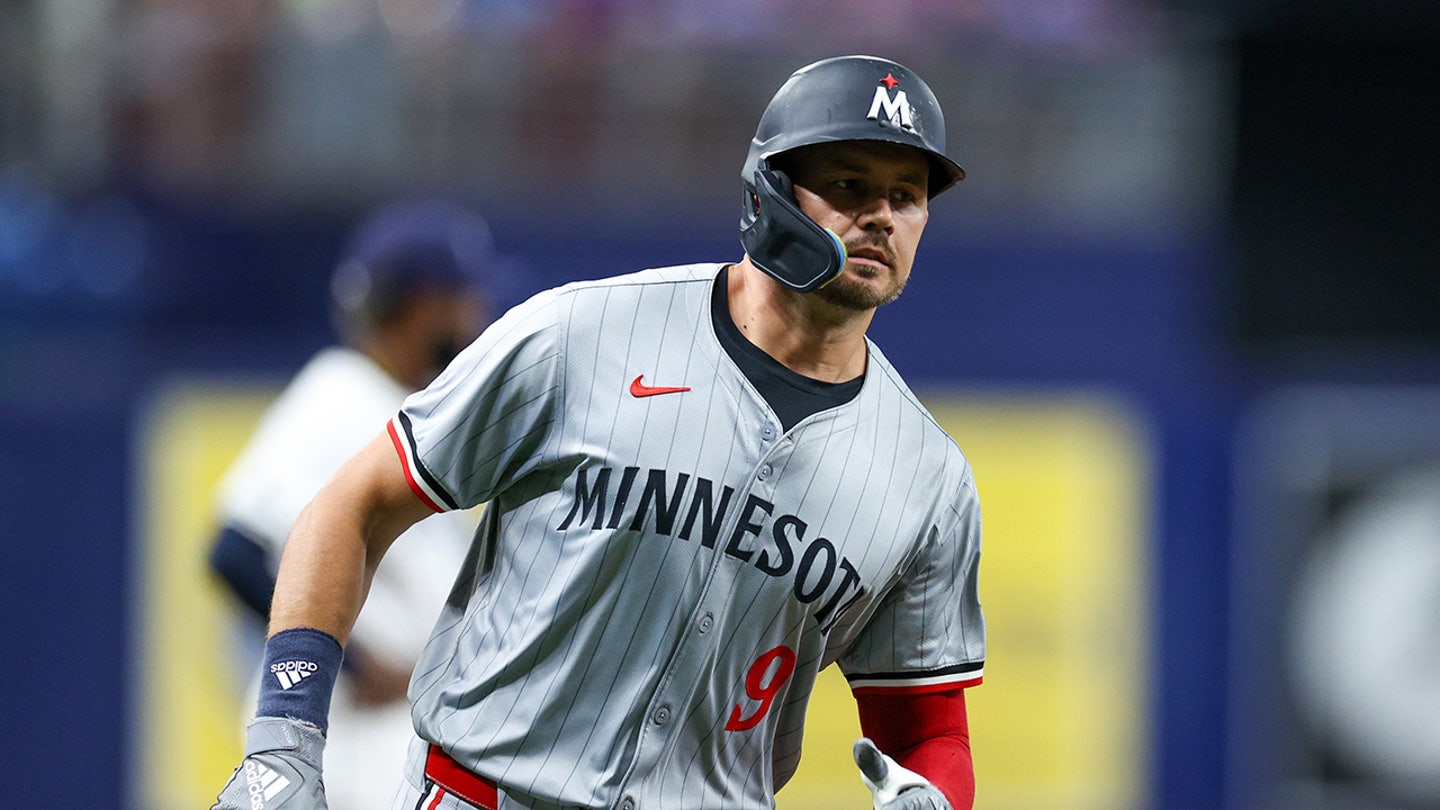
x: 319, y: 100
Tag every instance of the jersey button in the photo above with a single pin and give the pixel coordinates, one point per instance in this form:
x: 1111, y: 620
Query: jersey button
x: 706, y: 622
x: 627, y: 804
x: 661, y: 716
x: 764, y: 472
x: 769, y: 432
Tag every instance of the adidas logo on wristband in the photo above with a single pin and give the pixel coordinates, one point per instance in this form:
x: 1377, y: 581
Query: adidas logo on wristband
x: 289, y: 673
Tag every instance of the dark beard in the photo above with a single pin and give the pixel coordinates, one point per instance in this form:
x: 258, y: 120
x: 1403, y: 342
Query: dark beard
x: 442, y: 351
x: 847, y: 294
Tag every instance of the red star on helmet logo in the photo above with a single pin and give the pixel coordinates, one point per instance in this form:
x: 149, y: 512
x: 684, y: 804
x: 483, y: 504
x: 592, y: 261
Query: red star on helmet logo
x: 889, y: 81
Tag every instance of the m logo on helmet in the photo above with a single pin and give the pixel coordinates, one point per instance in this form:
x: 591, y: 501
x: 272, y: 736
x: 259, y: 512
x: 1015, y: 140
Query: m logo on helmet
x: 896, y: 109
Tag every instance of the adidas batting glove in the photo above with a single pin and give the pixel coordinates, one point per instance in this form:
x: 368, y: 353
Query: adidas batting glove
x: 281, y: 769
x: 893, y: 787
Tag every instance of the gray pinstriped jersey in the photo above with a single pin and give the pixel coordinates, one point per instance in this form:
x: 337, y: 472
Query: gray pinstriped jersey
x: 659, y: 578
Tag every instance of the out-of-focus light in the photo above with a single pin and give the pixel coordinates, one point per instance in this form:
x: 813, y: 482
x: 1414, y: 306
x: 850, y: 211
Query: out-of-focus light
x: 420, y: 19
x: 330, y: 20
x: 57, y: 251
x: 106, y: 248
x: 1364, y: 632
x: 27, y: 214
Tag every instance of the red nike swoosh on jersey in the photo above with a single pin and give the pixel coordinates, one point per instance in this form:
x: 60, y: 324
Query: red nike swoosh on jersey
x: 638, y: 389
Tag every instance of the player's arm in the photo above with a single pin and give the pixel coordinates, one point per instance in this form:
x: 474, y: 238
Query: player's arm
x: 325, y: 573
x: 246, y: 566
x: 927, y: 733
x: 339, y: 540
x: 922, y: 724
x: 243, y: 565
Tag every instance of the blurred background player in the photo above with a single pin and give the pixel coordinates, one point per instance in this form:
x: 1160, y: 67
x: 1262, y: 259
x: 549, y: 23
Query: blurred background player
x: 417, y: 281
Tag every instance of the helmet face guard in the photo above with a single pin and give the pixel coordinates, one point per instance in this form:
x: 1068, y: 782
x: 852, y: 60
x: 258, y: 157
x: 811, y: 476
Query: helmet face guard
x: 847, y: 98
x: 781, y: 240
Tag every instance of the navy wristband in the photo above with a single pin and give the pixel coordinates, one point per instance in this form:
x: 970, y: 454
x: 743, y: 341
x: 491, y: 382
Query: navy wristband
x: 301, y: 665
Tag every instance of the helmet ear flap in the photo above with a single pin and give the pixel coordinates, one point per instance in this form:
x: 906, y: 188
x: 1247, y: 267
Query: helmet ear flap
x: 781, y: 240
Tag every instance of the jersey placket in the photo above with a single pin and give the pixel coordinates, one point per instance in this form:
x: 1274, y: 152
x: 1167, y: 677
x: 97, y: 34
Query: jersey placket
x: 685, y: 671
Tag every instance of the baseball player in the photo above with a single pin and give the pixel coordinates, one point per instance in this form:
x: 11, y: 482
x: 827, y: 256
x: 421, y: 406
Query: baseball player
x: 704, y: 485
x: 410, y: 291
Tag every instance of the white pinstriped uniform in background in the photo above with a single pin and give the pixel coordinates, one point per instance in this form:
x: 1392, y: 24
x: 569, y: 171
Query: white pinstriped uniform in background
x: 663, y: 571
x: 326, y: 413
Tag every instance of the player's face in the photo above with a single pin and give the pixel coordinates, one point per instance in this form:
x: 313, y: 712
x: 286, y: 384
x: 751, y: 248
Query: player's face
x: 441, y: 323
x: 874, y: 195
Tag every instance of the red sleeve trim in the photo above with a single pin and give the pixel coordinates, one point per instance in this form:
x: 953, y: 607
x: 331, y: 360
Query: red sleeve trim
x: 401, y: 450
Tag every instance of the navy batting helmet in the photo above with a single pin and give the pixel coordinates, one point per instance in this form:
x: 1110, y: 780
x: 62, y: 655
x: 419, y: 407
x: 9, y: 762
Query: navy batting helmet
x: 845, y: 98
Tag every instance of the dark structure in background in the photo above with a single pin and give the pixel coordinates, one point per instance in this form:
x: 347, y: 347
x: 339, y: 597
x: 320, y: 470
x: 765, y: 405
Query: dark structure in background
x: 1334, y: 696
x: 1337, y: 186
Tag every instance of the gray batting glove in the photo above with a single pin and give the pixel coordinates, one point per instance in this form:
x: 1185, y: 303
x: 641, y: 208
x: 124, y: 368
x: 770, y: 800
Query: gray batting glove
x: 281, y: 768
x: 893, y: 787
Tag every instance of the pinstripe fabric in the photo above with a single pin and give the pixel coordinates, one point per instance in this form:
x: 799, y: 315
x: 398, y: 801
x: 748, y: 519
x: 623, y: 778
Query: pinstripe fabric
x: 616, y: 634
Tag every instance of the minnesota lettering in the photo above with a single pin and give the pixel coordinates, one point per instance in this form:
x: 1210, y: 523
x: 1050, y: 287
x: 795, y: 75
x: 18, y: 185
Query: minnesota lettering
x: 819, y: 573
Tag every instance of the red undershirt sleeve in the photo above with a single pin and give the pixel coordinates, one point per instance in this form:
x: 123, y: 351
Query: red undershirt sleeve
x: 926, y: 733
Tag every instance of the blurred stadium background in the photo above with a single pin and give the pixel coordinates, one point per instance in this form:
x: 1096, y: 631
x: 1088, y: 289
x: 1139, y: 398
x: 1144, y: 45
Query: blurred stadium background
x: 1184, y: 315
